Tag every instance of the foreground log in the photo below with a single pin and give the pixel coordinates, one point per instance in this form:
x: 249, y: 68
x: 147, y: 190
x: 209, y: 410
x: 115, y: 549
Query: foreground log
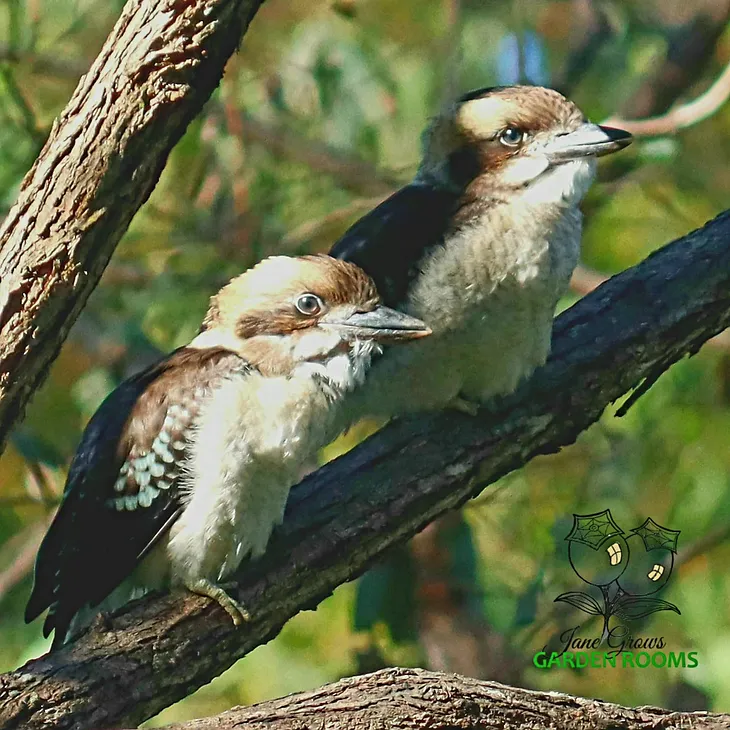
x: 403, y: 699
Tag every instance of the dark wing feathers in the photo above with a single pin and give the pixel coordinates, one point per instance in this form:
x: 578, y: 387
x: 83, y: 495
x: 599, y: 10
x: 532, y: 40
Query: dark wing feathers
x: 389, y: 242
x: 95, y: 463
x: 122, y: 491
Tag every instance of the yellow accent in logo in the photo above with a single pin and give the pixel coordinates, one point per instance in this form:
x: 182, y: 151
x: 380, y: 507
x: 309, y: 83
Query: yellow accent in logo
x: 614, y: 554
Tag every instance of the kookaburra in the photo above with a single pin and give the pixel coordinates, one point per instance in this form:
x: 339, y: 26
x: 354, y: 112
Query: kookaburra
x: 185, y: 468
x: 480, y: 246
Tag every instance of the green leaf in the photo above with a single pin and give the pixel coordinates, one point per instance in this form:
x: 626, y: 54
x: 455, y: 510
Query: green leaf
x: 527, y: 604
x: 387, y: 593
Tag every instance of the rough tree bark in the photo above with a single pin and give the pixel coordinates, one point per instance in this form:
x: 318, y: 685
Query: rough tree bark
x: 345, y: 516
x: 404, y: 699
x: 104, y: 155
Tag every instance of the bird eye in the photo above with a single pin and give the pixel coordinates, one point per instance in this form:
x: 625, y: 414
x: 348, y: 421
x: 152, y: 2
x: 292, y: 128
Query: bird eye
x: 512, y: 137
x: 309, y: 304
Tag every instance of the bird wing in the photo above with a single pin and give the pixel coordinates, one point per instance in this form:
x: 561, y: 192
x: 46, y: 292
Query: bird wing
x: 389, y: 242
x: 124, y: 487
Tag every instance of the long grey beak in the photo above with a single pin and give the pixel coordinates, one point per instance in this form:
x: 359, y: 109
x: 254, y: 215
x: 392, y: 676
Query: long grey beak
x: 589, y: 140
x: 382, y: 324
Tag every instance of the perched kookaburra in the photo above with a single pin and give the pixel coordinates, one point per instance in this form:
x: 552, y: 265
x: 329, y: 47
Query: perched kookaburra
x: 185, y: 468
x: 480, y: 246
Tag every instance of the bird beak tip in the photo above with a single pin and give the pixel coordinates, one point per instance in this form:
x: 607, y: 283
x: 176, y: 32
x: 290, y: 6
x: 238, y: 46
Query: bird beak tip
x: 413, y: 334
x: 382, y: 324
x: 589, y: 140
x: 618, y: 138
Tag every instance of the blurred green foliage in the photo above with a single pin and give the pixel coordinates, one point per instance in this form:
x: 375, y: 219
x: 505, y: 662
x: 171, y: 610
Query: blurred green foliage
x: 323, y: 106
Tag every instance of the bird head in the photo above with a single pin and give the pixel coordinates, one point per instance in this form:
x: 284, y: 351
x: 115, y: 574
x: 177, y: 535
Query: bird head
x: 517, y: 141
x: 286, y: 312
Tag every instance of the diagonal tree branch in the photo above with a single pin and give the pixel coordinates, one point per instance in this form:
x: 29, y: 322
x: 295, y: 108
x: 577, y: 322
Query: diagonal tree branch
x: 104, y: 155
x: 341, y: 519
x: 352, y: 172
x: 402, y: 699
x: 682, y: 116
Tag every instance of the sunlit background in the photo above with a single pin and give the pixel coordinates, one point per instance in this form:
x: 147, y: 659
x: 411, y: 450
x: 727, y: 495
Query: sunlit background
x: 317, y: 119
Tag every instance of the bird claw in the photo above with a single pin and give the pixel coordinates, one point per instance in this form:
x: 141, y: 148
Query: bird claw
x: 233, y: 608
x: 463, y: 405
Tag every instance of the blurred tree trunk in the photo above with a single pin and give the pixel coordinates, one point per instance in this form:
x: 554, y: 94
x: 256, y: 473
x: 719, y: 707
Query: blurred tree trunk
x: 452, y: 629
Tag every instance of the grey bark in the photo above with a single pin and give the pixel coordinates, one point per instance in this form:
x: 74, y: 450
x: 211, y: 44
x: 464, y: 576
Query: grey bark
x: 345, y: 516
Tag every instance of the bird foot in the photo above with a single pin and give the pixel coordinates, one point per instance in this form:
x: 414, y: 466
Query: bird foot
x: 461, y: 404
x: 233, y: 608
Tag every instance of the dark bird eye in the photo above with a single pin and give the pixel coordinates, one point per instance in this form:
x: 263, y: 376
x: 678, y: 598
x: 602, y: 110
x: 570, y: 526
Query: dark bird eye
x: 512, y: 137
x: 309, y: 304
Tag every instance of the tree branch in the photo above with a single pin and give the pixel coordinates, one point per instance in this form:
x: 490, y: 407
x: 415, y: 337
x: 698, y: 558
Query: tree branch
x: 43, y: 64
x: 351, y: 171
x: 691, y: 48
x: 104, y: 155
x: 585, y: 280
x: 341, y: 519
x: 24, y: 547
x: 682, y: 116
x: 402, y: 699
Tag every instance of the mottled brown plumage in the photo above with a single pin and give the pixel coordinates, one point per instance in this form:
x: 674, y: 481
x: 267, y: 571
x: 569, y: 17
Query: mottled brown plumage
x: 156, y: 433
x: 335, y: 282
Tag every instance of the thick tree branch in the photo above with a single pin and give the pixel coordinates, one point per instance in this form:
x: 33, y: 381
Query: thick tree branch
x: 585, y: 280
x: 344, y: 517
x: 103, y: 157
x: 402, y: 699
